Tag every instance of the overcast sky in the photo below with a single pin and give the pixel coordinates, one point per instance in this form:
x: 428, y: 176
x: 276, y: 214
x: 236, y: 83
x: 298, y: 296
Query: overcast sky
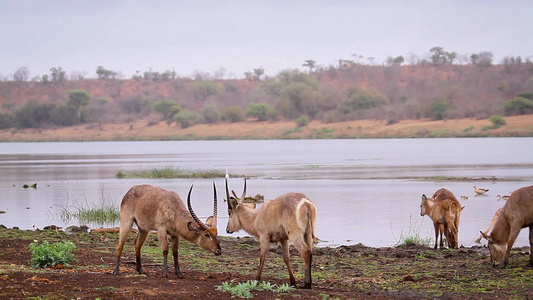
x: 185, y: 36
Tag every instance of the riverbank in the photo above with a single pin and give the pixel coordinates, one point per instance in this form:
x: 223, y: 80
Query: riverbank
x: 517, y: 126
x: 345, y: 272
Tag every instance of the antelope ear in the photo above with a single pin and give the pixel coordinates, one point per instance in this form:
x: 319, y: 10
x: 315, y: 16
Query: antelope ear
x: 424, y: 198
x: 209, y: 221
x: 233, y: 202
x: 192, y: 227
x: 462, y: 208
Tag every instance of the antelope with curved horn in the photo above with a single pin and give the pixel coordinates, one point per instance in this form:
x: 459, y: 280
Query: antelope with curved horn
x: 288, y: 218
x: 153, y: 208
x: 516, y: 214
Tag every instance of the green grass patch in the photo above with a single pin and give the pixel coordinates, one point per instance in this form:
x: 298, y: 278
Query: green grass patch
x: 46, y: 255
x: 245, y: 289
x: 170, y: 172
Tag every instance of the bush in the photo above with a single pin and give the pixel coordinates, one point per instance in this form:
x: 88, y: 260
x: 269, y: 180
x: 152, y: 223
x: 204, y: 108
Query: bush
x: 302, y: 121
x: 187, y: 118
x: 6, y: 121
x: 50, y: 255
x: 258, y: 110
x: 360, y: 98
x: 210, y: 114
x: 497, y: 121
x: 232, y: 114
x: 439, y: 108
x: 518, y: 106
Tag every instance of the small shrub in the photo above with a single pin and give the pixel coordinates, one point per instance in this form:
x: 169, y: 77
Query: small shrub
x: 50, y: 255
x: 497, y: 121
x: 302, y: 121
x: 412, y: 237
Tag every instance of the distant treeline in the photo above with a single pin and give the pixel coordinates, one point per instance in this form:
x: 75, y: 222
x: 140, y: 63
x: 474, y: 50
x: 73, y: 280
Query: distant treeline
x: 436, y: 88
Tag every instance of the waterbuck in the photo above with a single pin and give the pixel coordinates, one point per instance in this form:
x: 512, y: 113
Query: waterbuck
x: 288, y: 218
x: 517, y: 213
x: 445, y: 212
x: 153, y: 208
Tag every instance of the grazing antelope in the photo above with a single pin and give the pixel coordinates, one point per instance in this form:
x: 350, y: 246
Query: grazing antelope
x: 153, y: 208
x: 288, y: 218
x: 445, y: 212
x: 480, y: 191
x: 517, y: 213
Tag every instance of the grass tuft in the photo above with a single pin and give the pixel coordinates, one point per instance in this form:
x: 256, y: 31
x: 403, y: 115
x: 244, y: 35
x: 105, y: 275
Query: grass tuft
x: 412, y: 237
x: 105, y: 213
x: 170, y: 172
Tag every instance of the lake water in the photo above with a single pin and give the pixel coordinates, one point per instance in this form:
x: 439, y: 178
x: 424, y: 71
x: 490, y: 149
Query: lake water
x: 366, y: 191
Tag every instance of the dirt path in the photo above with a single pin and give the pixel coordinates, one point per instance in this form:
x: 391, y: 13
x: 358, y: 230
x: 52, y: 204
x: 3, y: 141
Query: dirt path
x: 346, y: 272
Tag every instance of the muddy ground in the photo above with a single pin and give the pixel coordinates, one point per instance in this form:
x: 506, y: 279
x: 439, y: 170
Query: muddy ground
x: 346, y: 272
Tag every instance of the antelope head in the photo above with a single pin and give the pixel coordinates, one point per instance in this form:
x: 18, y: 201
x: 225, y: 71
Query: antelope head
x: 423, y: 211
x: 207, y: 234
x: 234, y: 207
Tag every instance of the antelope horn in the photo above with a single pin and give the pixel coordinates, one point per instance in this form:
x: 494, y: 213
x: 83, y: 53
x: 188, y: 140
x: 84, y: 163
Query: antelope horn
x: 227, y: 190
x: 244, y: 192
x: 196, y: 219
x: 215, y: 207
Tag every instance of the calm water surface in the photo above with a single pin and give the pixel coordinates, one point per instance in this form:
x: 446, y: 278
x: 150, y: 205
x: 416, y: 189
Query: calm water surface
x: 366, y: 191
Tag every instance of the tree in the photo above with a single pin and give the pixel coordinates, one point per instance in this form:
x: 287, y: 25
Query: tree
x: 58, y: 75
x: 439, y: 108
x: 518, y: 106
x: 311, y: 64
x: 438, y: 56
x: 78, y: 98
x: 105, y: 74
x: 22, y: 74
x: 258, y: 110
x: 33, y: 114
x: 167, y: 108
x: 259, y: 72
x: 482, y: 59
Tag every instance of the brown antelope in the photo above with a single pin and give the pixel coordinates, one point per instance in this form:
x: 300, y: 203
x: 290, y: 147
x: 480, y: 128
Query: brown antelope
x: 445, y: 211
x: 452, y: 237
x: 517, y: 213
x: 288, y: 218
x: 153, y: 208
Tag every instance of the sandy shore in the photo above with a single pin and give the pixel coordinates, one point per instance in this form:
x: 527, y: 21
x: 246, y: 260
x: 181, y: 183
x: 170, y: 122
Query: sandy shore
x: 521, y: 126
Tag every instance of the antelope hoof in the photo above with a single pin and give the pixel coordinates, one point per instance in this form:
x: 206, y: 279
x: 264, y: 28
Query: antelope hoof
x: 180, y: 275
